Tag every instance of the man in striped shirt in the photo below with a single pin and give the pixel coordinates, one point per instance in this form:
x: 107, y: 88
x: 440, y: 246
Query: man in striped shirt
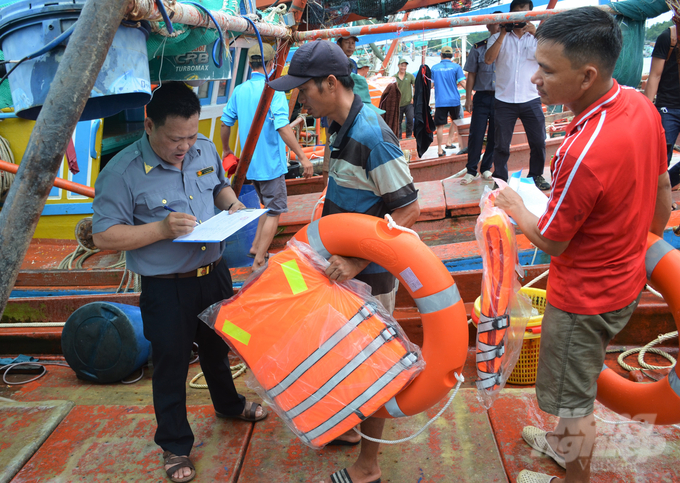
x: 609, y: 188
x: 368, y: 174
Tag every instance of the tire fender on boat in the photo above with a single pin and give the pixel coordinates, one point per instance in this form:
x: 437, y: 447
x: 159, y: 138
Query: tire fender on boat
x: 657, y: 402
x: 445, y: 330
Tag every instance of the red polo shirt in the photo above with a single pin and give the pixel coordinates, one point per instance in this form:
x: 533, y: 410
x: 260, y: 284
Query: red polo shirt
x: 604, y: 180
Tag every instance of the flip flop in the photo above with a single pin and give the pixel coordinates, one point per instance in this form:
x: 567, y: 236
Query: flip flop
x: 178, y: 462
x: 449, y: 146
x: 442, y: 154
x: 343, y: 477
x: 342, y: 442
x: 250, y: 413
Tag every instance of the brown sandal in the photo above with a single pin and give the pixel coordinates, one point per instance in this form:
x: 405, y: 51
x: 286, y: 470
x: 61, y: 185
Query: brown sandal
x: 178, y: 462
x: 249, y: 414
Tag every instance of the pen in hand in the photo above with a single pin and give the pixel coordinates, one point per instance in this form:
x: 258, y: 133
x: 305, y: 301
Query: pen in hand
x: 174, y: 211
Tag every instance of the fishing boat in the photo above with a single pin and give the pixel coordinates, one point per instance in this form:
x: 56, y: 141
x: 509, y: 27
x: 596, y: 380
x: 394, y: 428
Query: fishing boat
x: 74, y: 430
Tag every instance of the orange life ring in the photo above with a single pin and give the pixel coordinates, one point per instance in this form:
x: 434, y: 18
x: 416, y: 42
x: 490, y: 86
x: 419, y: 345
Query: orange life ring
x: 445, y: 331
x: 657, y: 402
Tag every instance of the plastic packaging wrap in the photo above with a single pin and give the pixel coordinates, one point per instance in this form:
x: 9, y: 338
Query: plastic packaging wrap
x: 504, y: 311
x: 324, y: 355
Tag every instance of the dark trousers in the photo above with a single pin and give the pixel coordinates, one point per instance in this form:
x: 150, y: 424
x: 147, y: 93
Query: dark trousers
x: 169, y: 312
x: 670, y: 120
x: 531, y: 115
x: 482, y: 112
x: 409, y: 112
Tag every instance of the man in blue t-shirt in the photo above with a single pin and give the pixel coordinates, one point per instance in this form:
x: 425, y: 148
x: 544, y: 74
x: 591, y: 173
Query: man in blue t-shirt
x: 446, y: 77
x: 268, y: 165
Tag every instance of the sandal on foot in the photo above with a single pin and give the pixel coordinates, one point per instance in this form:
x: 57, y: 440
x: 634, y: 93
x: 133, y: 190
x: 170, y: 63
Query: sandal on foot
x: 178, y: 462
x: 249, y: 414
x: 526, y: 476
x: 343, y: 477
x: 535, y: 438
x: 342, y: 442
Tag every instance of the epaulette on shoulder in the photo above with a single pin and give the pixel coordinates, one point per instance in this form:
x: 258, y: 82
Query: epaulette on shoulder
x: 481, y: 43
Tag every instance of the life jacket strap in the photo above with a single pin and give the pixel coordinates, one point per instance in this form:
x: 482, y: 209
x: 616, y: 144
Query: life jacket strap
x: 354, y: 407
x: 489, y: 352
x: 488, y: 380
x: 487, y: 324
x: 366, y: 311
x: 385, y: 336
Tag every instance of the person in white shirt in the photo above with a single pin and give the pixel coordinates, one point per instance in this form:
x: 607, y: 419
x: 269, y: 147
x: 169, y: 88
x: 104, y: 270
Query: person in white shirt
x: 513, y: 49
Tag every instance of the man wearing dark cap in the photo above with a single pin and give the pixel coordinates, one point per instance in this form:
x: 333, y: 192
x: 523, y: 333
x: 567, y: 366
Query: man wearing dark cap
x: 268, y: 166
x: 369, y: 175
x: 405, y: 82
x: 348, y: 44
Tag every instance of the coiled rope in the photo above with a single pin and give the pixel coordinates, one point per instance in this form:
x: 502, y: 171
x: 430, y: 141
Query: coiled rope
x: 6, y: 178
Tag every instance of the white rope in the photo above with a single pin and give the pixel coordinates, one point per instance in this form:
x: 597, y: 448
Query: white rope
x: 460, y: 378
x: 647, y: 348
x: 6, y: 178
x: 540, y: 277
x: 236, y: 371
x: 677, y: 426
x: 321, y: 200
x: 392, y: 225
x: 650, y: 289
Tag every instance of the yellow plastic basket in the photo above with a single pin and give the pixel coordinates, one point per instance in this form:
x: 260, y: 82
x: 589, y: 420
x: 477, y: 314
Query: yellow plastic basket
x: 525, y: 370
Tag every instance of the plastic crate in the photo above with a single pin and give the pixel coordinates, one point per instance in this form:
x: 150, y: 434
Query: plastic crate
x: 524, y: 372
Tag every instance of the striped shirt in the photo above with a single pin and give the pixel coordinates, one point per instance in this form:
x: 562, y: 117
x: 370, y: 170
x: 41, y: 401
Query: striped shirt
x: 604, y: 180
x: 367, y: 174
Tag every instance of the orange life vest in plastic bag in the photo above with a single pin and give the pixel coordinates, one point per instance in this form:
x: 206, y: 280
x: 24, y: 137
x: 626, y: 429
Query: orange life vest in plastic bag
x: 326, y: 357
x: 496, y: 238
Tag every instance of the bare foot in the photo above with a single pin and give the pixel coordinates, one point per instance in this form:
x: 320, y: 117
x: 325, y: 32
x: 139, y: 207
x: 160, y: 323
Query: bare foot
x: 350, y: 436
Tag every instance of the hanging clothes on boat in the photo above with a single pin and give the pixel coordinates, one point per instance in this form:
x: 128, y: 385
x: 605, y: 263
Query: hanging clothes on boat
x: 326, y: 355
x: 389, y: 102
x: 424, y: 123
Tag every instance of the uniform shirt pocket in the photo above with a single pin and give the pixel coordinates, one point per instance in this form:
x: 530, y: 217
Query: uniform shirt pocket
x: 152, y: 209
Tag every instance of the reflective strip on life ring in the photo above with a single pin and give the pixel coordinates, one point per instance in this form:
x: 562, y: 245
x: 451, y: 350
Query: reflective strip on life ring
x: 657, y: 402
x: 445, y: 331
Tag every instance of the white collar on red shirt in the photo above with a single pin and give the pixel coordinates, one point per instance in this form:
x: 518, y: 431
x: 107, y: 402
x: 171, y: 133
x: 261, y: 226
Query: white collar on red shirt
x: 602, y: 103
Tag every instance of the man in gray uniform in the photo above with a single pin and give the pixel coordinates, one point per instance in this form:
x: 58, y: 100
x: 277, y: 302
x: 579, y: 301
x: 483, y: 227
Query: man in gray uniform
x: 482, y: 79
x: 149, y: 194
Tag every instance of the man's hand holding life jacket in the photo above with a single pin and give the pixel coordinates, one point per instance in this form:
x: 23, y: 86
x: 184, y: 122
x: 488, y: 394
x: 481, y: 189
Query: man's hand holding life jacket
x: 345, y: 268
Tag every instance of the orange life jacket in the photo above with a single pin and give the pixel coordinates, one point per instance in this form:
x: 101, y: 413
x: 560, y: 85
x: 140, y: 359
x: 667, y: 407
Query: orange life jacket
x: 324, y: 355
x: 499, y: 254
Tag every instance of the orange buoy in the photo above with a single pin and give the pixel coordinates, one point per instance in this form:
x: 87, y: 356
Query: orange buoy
x: 657, y: 402
x: 445, y: 331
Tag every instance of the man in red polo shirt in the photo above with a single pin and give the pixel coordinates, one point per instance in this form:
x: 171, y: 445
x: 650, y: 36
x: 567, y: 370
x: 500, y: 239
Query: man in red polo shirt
x: 609, y: 188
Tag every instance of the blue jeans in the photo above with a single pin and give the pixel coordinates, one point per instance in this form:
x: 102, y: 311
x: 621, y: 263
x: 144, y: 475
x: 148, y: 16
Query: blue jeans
x: 670, y: 119
x: 482, y: 112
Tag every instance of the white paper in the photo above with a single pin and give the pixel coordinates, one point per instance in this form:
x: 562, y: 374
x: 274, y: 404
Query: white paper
x: 534, y: 199
x: 220, y: 226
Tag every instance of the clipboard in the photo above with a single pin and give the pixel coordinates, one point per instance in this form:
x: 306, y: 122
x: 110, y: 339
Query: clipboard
x: 221, y: 226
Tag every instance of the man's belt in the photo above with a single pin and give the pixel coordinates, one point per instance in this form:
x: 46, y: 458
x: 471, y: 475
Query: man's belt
x: 199, y: 272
